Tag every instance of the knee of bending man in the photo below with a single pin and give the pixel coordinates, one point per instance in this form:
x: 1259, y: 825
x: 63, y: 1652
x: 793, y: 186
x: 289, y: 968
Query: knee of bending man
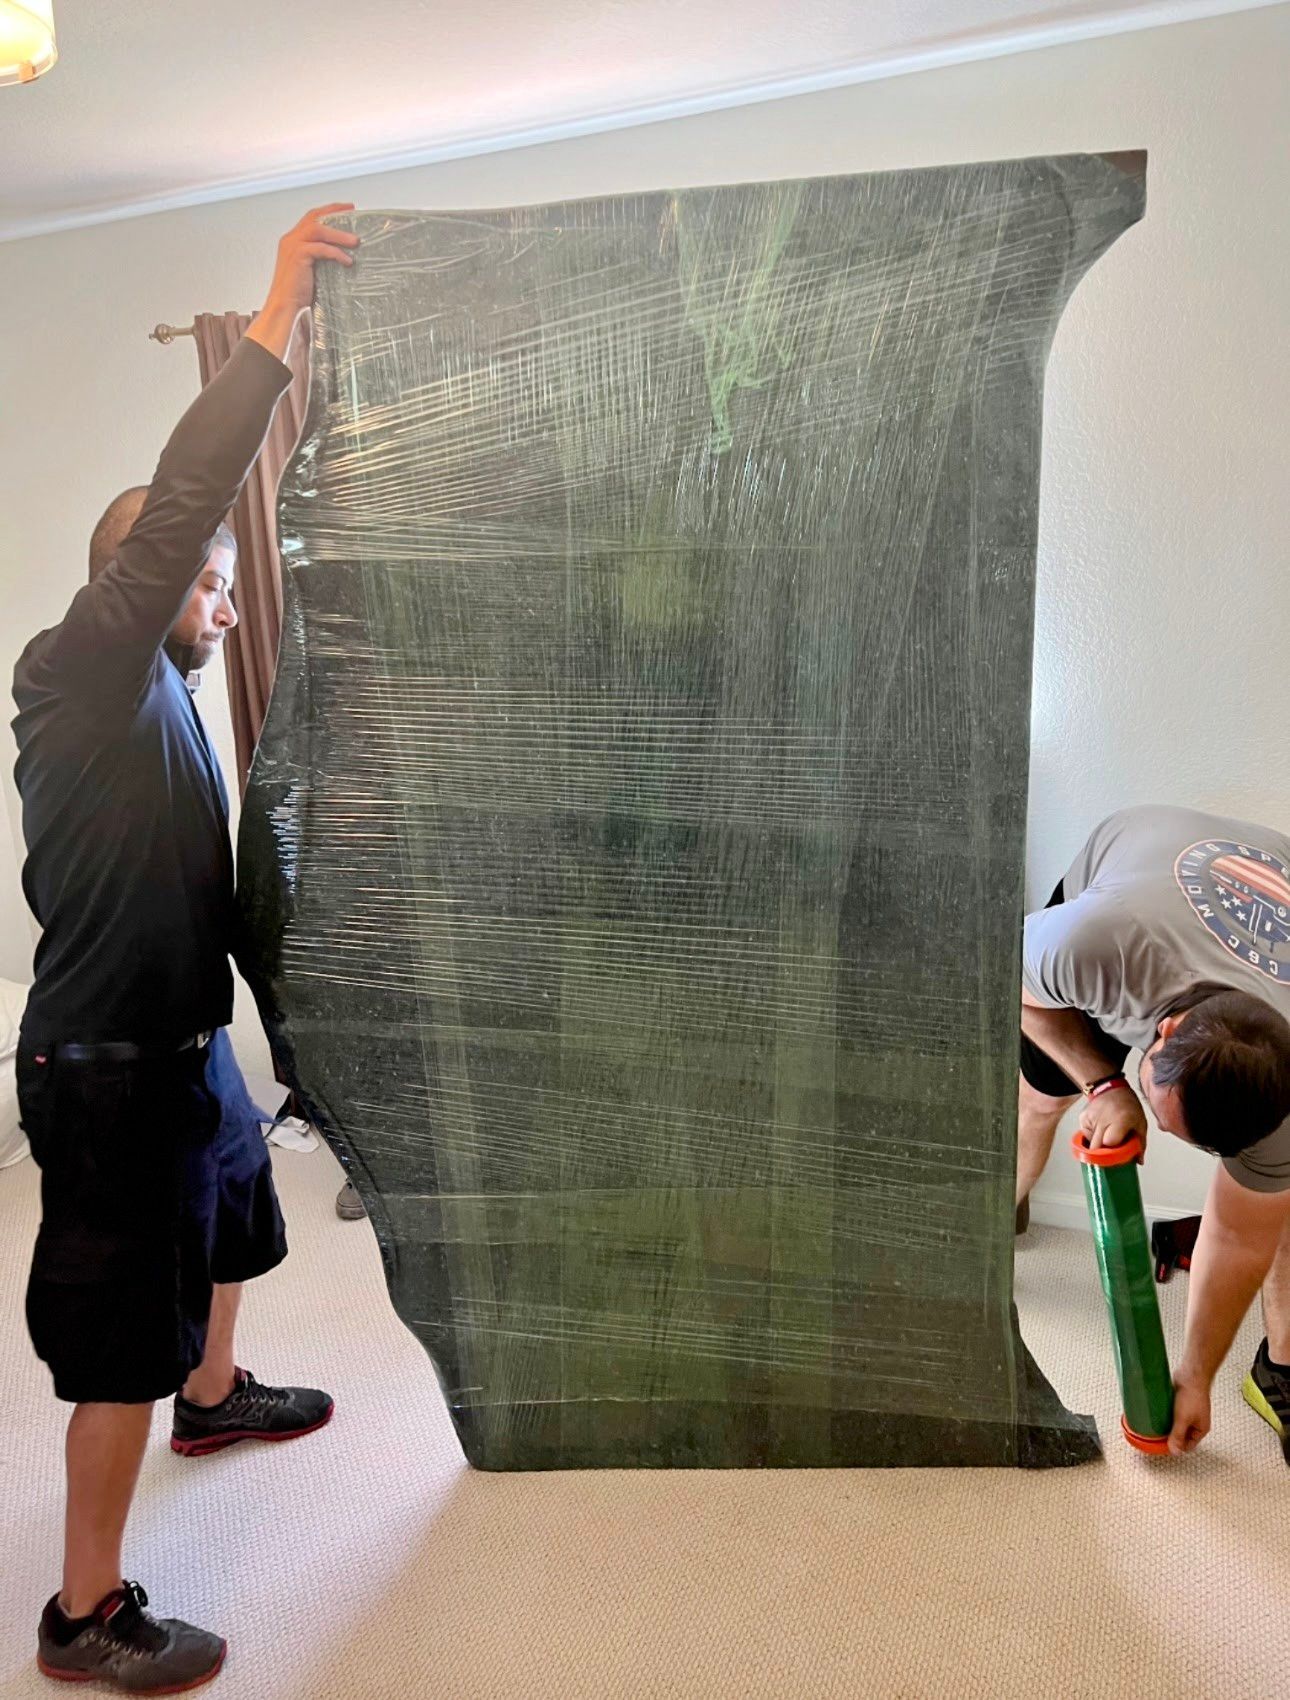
x: 1039, y: 1103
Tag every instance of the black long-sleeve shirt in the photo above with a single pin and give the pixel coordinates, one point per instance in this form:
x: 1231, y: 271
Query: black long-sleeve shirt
x: 129, y: 867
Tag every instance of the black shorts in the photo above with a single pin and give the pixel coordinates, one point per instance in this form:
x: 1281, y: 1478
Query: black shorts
x: 1040, y: 1071
x: 155, y: 1184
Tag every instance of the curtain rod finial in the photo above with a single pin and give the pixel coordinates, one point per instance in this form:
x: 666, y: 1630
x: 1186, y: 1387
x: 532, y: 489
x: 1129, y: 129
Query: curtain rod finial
x: 168, y: 333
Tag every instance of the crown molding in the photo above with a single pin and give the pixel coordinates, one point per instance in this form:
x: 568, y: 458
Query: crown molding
x: 339, y: 168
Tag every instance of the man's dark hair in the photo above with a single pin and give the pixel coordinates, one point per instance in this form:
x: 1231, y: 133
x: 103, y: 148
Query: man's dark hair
x: 114, y: 527
x: 118, y: 521
x: 1229, y: 1062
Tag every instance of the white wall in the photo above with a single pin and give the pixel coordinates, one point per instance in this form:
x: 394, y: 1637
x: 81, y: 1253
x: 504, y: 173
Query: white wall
x: 15, y: 921
x: 1164, y: 590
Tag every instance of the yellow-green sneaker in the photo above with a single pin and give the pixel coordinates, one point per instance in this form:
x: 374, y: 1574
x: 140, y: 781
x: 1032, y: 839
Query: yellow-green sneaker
x: 1267, y: 1391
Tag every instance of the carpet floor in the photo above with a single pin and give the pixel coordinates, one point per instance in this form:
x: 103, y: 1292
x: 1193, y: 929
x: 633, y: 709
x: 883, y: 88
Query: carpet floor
x: 367, y: 1561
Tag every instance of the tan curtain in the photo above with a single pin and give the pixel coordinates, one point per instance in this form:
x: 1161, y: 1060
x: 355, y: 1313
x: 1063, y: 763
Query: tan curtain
x: 251, y: 651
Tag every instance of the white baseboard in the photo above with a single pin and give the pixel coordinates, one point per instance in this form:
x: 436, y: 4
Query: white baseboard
x: 1060, y: 1210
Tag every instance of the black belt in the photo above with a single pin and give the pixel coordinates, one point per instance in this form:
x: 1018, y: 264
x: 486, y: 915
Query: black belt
x: 122, y: 1050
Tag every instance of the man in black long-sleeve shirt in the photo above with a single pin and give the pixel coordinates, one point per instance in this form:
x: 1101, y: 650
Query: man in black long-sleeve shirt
x: 157, y: 1197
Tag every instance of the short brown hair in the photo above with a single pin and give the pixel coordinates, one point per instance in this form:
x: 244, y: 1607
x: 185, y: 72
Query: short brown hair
x: 1229, y: 1062
x: 118, y: 521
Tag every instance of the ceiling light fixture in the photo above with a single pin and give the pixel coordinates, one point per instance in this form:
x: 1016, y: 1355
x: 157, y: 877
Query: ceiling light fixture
x: 27, y: 45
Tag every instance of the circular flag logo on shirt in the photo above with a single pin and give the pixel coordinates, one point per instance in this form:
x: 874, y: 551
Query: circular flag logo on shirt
x: 1242, y: 894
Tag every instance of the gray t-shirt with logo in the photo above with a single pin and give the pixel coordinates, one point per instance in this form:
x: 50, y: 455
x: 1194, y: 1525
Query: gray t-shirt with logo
x: 1157, y: 899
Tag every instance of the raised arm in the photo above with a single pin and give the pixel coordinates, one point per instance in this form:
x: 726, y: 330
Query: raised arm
x: 116, y: 623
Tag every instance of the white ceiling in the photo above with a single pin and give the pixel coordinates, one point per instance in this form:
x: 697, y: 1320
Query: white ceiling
x: 155, y: 105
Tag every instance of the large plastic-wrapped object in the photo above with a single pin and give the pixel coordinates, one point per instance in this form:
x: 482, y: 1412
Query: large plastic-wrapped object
x: 633, y: 857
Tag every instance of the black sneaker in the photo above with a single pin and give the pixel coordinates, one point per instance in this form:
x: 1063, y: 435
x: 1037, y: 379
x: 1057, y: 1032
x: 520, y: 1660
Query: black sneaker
x: 251, y: 1412
x: 1267, y: 1391
x: 121, y: 1643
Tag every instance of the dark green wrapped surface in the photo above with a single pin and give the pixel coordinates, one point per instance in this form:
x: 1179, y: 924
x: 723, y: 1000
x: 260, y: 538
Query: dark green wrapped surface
x: 634, y: 853
x: 1114, y: 1197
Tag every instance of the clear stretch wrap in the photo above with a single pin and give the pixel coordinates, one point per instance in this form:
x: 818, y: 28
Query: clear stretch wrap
x: 632, y: 862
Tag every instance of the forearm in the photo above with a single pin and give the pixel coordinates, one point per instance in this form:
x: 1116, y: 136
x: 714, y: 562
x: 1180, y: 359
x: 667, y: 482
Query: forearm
x: 1226, y: 1274
x: 1068, y: 1037
x: 274, y: 326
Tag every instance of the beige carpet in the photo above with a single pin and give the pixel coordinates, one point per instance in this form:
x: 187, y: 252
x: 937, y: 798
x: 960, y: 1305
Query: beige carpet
x: 367, y: 1561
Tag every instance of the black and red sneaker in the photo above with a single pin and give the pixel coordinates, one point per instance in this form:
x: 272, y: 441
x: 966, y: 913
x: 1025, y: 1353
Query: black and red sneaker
x: 121, y: 1643
x: 251, y: 1412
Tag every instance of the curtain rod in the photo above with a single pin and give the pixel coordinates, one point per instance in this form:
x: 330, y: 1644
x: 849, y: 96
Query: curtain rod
x: 168, y: 333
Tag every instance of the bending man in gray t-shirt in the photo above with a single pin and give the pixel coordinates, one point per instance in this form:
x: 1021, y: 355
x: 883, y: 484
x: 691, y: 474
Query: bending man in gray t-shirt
x: 1170, y: 934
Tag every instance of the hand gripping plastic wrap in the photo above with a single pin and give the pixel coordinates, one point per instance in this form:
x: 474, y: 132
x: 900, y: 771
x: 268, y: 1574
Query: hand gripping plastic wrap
x: 633, y: 856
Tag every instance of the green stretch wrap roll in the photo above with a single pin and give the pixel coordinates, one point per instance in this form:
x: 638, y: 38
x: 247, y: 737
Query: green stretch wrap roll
x: 1124, y: 1260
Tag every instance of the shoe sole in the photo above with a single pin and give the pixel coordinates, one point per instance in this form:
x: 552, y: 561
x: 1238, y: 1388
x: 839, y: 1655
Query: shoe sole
x: 207, y: 1444
x: 1253, y: 1395
x: 97, y: 1676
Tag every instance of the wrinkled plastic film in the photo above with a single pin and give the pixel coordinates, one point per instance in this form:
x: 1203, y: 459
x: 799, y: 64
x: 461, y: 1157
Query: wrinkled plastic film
x: 1120, y: 1239
x: 633, y: 856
